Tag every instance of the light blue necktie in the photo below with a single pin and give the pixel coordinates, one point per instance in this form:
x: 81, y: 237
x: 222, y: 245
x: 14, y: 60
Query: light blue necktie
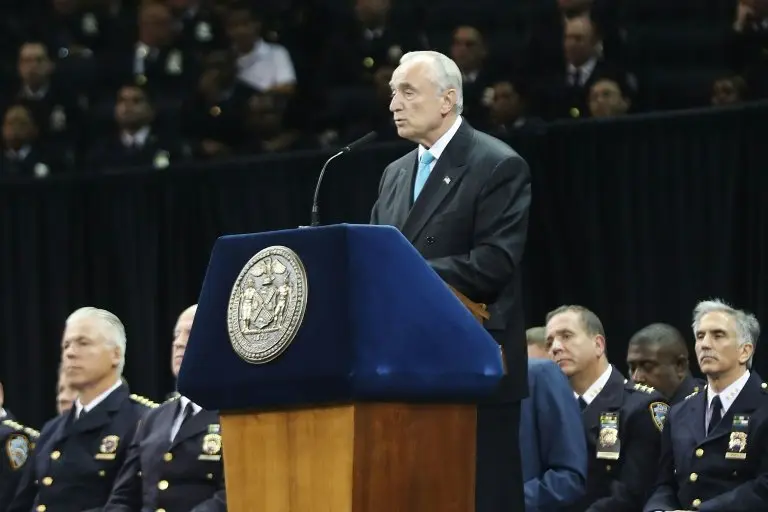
x: 422, y: 174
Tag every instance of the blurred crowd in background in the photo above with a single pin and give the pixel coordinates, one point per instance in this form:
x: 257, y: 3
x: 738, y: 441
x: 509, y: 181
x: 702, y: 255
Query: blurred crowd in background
x: 98, y: 85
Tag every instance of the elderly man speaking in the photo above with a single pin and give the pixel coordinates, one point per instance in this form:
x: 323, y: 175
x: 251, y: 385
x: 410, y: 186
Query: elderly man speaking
x: 462, y: 199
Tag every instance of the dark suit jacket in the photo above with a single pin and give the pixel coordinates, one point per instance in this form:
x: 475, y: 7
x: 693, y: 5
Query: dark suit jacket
x: 75, y: 462
x: 16, y: 445
x: 623, y: 485
x: 194, y: 476
x: 721, y: 484
x: 688, y: 386
x: 553, y: 453
x: 470, y: 223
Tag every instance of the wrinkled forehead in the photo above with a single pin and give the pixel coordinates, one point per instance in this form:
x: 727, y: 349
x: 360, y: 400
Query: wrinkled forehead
x: 414, y: 74
x: 566, y: 322
x: 717, y: 321
x: 83, y: 328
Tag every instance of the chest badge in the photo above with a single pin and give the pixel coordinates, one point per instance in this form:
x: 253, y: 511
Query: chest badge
x: 108, y: 448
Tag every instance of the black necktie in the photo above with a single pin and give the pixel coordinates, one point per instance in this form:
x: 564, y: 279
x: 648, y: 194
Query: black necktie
x: 185, y: 413
x: 582, y: 403
x: 717, y: 415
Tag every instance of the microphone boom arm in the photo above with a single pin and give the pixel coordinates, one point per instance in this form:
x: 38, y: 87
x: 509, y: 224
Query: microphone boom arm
x: 315, y: 220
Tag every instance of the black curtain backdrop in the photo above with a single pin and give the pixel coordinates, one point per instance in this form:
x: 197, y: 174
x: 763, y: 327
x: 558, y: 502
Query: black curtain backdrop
x: 636, y: 218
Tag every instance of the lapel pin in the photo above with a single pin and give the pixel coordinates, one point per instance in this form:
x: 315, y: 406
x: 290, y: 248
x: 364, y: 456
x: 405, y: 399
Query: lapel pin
x: 447, y: 180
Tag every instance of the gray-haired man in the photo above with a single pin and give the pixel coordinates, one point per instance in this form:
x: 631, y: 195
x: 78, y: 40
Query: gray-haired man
x: 462, y: 199
x: 714, y: 454
x: 80, y: 452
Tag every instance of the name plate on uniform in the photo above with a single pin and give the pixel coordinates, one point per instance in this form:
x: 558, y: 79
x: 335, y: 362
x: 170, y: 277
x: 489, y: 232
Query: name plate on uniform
x: 737, y: 444
x: 608, y: 443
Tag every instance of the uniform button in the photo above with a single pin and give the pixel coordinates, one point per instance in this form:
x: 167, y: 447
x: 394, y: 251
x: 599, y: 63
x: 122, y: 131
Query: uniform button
x: 693, y: 477
x: 168, y: 457
x: 139, y: 473
x: 608, y: 468
x: 735, y: 473
x: 47, y: 481
x: 696, y: 502
x: 102, y: 473
x: 700, y: 452
x: 55, y: 455
x: 40, y: 508
x: 162, y: 485
x: 160, y: 510
x: 209, y: 476
x: 430, y: 240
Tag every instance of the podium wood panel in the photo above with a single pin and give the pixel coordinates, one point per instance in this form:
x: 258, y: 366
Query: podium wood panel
x: 352, y: 458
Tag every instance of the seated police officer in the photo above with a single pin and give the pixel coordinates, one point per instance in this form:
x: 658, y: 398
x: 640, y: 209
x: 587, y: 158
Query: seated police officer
x: 657, y: 356
x: 174, y: 462
x: 16, y: 444
x: 715, y: 443
x: 80, y: 452
x: 623, y: 422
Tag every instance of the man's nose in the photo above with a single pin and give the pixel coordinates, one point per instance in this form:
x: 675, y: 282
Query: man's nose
x: 395, y: 104
x: 637, y: 375
x: 556, y: 347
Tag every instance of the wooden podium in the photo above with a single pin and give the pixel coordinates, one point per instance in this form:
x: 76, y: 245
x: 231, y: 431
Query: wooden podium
x: 372, y: 455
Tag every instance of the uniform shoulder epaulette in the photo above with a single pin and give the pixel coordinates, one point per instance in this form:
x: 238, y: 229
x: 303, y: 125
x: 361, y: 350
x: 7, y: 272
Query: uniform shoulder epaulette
x: 172, y: 398
x: 695, y: 392
x: 32, y: 433
x: 144, y: 401
x: 644, y: 388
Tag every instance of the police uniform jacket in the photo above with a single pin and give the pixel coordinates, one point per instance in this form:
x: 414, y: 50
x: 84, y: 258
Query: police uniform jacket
x: 17, y: 442
x: 622, y: 484
x: 725, y: 471
x: 76, y: 461
x: 688, y: 386
x: 182, y: 475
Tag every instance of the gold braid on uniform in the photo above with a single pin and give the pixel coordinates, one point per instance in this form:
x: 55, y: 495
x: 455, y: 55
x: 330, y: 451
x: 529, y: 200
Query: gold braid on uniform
x: 32, y: 433
x: 173, y: 398
x: 644, y: 388
x: 144, y: 401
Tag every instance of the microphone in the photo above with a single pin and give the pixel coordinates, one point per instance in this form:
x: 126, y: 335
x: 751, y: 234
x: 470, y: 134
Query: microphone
x: 315, y: 221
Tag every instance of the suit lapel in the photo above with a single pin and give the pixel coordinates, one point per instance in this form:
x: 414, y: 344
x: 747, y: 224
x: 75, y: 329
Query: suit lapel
x: 609, y: 399
x: 195, y: 425
x: 746, y: 403
x: 448, y: 171
x: 697, y: 405
x: 404, y: 198
x: 63, y: 428
x: 100, y: 415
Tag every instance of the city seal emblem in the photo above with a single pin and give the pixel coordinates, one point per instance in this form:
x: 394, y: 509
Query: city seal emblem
x: 267, y: 304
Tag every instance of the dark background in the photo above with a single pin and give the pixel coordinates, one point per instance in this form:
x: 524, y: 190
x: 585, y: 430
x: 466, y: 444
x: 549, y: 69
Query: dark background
x: 636, y: 218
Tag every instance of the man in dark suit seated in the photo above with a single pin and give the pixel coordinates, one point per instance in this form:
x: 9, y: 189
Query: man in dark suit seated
x: 174, y: 461
x: 622, y: 421
x: 714, y: 451
x: 657, y: 356
x: 16, y: 445
x: 80, y: 452
x: 137, y: 141
x: 554, y: 455
x: 462, y: 199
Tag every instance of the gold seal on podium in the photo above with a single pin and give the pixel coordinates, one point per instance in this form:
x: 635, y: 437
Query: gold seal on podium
x: 267, y: 304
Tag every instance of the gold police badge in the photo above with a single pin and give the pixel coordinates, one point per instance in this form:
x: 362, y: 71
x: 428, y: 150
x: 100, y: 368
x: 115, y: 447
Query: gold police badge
x: 267, y: 304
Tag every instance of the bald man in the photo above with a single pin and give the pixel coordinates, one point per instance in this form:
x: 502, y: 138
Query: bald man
x: 177, y: 451
x: 657, y: 356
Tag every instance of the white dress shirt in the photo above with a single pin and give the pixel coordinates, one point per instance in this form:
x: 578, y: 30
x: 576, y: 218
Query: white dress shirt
x: 592, y: 391
x: 179, y: 418
x: 439, y: 146
x: 727, y: 397
x: 79, y: 407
